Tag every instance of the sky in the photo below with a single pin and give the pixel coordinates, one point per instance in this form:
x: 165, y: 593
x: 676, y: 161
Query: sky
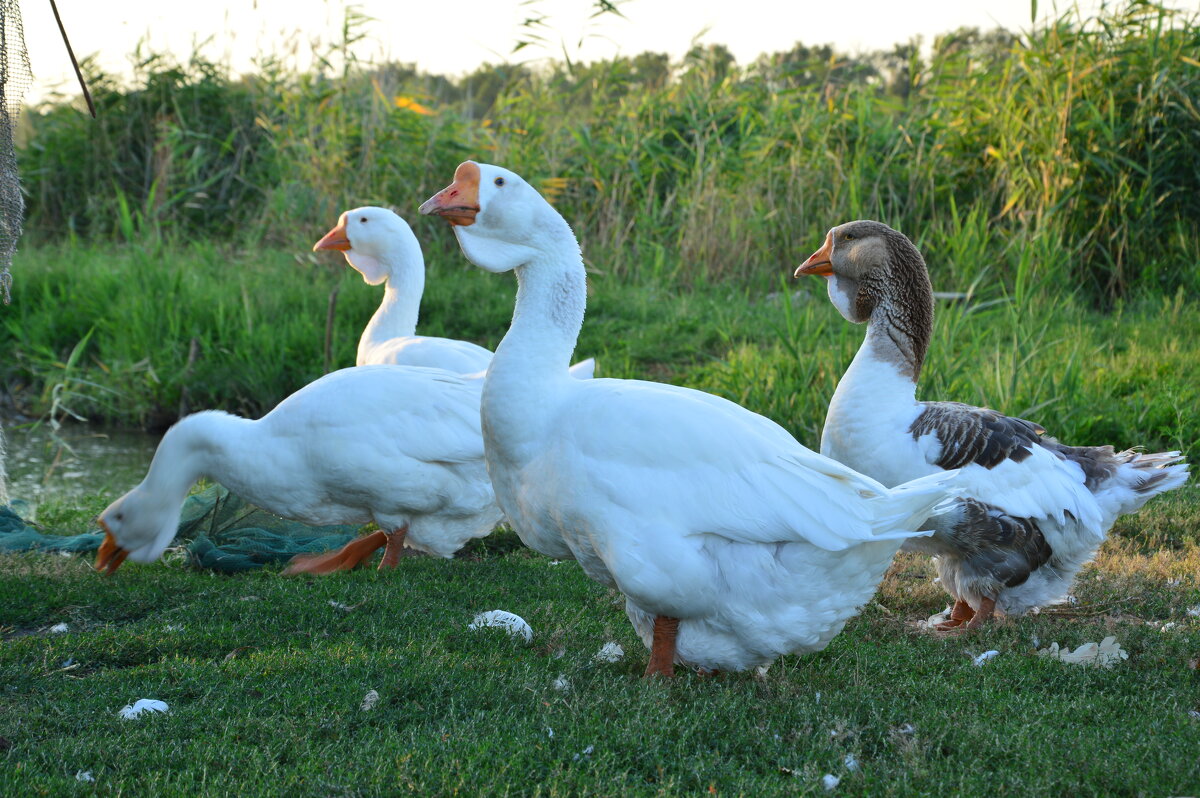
x: 454, y: 38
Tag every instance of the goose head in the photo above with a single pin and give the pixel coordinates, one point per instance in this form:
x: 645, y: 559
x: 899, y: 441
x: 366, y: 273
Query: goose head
x: 867, y: 265
x: 375, y: 241
x: 137, y: 526
x: 499, y: 218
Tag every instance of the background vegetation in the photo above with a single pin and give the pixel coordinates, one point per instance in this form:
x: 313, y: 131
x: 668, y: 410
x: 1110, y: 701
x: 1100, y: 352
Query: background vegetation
x: 1053, y: 176
x: 1083, y: 134
x: 1052, y: 180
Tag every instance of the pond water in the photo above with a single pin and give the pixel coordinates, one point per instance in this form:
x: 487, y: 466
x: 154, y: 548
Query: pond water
x: 74, y: 461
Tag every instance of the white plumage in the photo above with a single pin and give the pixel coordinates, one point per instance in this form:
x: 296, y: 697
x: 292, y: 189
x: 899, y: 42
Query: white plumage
x: 1036, y: 510
x: 703, y: 514
x: 399, y: 446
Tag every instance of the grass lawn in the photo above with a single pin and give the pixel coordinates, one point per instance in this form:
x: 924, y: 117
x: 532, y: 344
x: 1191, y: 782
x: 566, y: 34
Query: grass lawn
x: 265, y: 676
x: 1051, y: 184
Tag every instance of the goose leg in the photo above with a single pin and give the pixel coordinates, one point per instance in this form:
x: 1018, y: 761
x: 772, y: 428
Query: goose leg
x: 987, y: 607
x: 395, y: 547
x: 662, y: 648
x: 961, y: 613
x: 343, y: 559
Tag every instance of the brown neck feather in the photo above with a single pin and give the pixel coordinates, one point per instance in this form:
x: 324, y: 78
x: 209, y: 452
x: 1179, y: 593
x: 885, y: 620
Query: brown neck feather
x: 901, y: 316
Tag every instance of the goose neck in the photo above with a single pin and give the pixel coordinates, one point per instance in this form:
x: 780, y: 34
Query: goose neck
x: 891, y: 340
x: 396, y: 316
x: 180, y: 460
x: 551, y: 299
x: 882, y: 374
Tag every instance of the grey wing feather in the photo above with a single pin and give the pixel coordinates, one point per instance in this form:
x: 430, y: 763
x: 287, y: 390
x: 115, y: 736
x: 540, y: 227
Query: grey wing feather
x: 989, y: 544
x: 1100, y: 463
x: 975, y: 434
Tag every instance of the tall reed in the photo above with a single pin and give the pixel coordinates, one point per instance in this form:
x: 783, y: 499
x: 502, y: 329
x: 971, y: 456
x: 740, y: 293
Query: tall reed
x: 1081, y: 132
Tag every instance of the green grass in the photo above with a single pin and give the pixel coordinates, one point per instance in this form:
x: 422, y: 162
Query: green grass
x: 258, y: 322
x: 264, y: 678
x: 1126, y: 377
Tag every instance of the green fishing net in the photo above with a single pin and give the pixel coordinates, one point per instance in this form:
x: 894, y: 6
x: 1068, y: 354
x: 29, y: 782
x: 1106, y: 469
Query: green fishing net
x: 16, y: 535
x: 223, y: 533
x: 227, y: 534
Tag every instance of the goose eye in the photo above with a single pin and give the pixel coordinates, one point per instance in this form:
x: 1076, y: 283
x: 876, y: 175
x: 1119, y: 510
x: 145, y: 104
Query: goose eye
x: 499, y: 181
x: 848, y: 237
x: 363, y: 220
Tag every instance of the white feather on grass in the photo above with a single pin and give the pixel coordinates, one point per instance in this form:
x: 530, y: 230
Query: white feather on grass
x: 142, y: 706
x: 510, y: 622
x: 1104, y: 654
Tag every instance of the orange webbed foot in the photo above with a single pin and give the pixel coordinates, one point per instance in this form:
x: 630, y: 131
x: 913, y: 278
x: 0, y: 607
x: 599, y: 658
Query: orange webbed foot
x: 395, y: 548
x: 343, y: 559
x: 662, y: 648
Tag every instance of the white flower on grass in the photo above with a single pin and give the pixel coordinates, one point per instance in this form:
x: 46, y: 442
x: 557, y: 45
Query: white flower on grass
x: 142, y: 706
x: 59, y: 628
x: 513, y: 624
x: 830, y: 781
x: 561, y: 683
x: 609, y: 652
x: 370, y: 700
x: 985, y: 656
x: 1104, y: 654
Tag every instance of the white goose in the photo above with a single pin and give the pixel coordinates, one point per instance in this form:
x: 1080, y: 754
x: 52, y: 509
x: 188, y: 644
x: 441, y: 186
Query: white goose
x: 1035, y: 510
x: 395, y: 445
x: 732, y: 543
x: 381, y: 247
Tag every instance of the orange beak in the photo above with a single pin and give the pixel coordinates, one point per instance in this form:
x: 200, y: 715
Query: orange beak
x: 110, y: 556
x: 334, y: 239
x: 819, y: 262
x: 457, y: 203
